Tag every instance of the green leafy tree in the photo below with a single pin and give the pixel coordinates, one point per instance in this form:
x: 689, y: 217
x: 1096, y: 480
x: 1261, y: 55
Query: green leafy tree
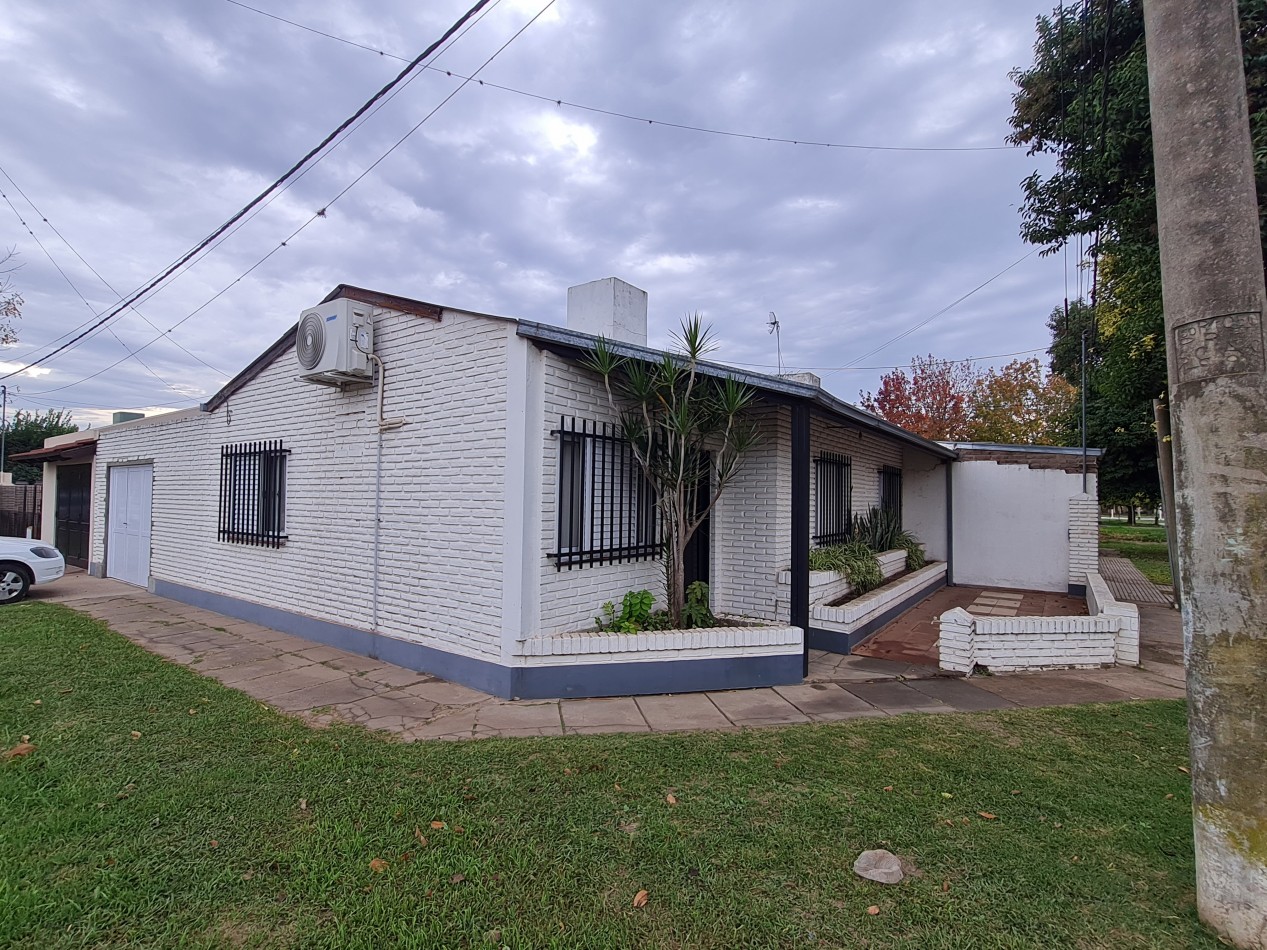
x: 1085, y: 102
x: 27, y: 431
x: 687, y: 430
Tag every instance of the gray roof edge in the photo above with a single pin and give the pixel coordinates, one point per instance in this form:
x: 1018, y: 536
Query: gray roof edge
x: 1032, y: 449
x: 549, y: 333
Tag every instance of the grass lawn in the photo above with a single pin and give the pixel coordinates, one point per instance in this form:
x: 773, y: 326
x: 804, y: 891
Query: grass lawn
x: 161, y: 809
x: 1143, y: 545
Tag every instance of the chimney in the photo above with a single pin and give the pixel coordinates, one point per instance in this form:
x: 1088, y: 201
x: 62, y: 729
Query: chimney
x: 609, y: 308
x: 809, y: 379
x: 126, y: 417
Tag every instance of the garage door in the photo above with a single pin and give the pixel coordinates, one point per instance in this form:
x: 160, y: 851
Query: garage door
x: 128, y: 531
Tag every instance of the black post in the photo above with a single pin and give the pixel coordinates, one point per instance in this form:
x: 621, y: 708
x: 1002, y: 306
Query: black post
x: 799, y: 606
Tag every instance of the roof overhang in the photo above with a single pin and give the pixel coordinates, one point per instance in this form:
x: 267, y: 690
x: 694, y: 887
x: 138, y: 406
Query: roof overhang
x: 82, y: 450
x: 573, y: 345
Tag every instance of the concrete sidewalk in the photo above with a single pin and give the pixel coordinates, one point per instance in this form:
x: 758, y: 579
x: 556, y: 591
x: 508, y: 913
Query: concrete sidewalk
x: 323, y: 684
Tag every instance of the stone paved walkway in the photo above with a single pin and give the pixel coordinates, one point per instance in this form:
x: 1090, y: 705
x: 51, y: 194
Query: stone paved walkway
x: 323, y: 684
x: 1127, y: 582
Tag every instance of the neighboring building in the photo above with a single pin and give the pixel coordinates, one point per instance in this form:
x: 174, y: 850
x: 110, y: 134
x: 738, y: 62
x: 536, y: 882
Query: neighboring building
x: 469, y: 508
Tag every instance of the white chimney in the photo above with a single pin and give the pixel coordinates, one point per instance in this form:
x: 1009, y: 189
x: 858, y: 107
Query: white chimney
x: 609, y: 308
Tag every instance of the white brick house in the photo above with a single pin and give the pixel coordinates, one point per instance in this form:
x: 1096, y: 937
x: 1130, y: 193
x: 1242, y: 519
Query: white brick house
x: 419, y: 517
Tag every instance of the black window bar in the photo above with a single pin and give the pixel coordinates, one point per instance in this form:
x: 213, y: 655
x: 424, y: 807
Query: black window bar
x: 891, y: 490
x: 833, y: 476
x: 253, y: 493
x: 607, y: 508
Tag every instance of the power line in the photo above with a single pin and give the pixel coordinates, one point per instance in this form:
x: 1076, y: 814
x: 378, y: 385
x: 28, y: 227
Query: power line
x: 94, y: 270
x: 70, y: 283
x: 860, y: 369
x: 950, y: 306
x: 237, y: 216
x: 553, y: 100
x: 320, y: 213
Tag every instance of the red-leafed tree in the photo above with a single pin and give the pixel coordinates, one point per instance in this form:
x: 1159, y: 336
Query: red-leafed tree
x: 933, y: 399
x: 950, y: 401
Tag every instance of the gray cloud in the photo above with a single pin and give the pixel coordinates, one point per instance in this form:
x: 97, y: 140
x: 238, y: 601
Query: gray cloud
x: 137, y: 130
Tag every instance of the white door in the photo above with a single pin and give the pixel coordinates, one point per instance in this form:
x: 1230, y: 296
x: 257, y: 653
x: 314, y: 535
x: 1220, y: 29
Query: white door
x: 128, y: 525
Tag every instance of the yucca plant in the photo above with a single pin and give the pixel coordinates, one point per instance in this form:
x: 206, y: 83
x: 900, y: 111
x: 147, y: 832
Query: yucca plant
x: 686, y: 429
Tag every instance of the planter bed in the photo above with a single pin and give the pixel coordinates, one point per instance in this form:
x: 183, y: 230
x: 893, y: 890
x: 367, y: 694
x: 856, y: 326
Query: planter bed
x: 841, y: 627
x: 590, y: 663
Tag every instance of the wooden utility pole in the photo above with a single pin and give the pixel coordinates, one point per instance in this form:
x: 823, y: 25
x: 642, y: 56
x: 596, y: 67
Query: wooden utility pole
x: 1213, y: 293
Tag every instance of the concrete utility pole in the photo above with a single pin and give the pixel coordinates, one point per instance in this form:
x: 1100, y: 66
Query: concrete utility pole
x: 1212, y: 287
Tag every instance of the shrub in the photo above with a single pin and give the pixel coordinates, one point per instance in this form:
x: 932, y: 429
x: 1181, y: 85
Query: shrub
x: 915, y: 558
x: 635, y: 614
x: 854, y: 559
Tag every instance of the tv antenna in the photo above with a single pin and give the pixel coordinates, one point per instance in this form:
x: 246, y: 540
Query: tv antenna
x: 773, y: 324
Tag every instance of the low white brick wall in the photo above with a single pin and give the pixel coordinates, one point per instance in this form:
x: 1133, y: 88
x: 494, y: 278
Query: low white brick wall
x: 862, y: 610
x: 707, y: 644
x: 826, y: 586
x: 1007, y: 644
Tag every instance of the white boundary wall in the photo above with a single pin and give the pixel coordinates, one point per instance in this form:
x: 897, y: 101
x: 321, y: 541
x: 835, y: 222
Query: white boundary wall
x: 1013, y: 526
x: 1110, y: 635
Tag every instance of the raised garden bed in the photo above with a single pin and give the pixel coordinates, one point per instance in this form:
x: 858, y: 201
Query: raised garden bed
x: 841, y: 627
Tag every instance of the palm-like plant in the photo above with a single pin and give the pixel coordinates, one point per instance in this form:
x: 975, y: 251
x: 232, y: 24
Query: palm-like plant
x: 689, y: 433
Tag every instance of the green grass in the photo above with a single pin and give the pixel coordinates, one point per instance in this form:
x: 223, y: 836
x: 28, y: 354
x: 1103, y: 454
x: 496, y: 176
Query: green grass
x: 196, y: 833
x: 1144, y: 545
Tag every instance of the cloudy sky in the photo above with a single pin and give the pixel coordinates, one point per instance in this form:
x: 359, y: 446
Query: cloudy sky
x: 136, y: 129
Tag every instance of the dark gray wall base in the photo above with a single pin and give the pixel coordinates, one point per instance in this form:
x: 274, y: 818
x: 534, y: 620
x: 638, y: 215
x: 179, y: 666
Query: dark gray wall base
x: 519, y: 682
x: 1077, y: 590
x: 96, y: 569
x: 655, y: 676
x: 833, y: 641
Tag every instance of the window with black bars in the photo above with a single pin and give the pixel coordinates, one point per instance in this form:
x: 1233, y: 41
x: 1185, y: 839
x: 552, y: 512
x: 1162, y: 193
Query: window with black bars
x: 253, y: 493
x: 833, y: 477
x: 607, y: 510
x: 891, y: 490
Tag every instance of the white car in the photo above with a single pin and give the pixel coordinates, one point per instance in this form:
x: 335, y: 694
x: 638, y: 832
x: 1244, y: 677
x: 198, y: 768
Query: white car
x: 24, y: 562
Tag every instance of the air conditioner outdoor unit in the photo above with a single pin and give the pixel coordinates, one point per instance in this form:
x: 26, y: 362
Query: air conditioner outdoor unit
x: 334, y: 342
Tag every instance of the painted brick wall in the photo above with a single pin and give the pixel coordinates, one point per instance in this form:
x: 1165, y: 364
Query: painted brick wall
x: 752, y: 528
x: 442, y: 488
x: 1084, y: 537
x: 570, y: 599
x: 869, y: 453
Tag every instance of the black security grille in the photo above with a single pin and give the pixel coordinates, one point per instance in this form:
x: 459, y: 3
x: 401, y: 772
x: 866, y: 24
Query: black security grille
x: 607, y: 510
x: 253, y: 493
x: 891, y: 490
x: 833, y: 475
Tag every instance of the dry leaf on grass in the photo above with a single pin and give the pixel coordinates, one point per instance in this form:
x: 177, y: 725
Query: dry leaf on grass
x: 437, y: 825
x: 873, y: 910
x: 640, y: 899
x: 888, y: 788
x: 457, y: 879
x: 1184, y: 770
x: 671, y: 798
x: 214, y: 843
x: 422, y: 839
x: 988, y: 816
x: 303, y: 804
x: 19, y: 750
x: 378, y: 865
x: 38, y: 702
x: 134, y: 734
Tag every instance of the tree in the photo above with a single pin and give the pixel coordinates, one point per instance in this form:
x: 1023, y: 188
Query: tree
x: 1017, y: 404
x: 27, y: 431
x: 950, y: 401
x: 10, y: 300
x: 1085, y: 101
x: 934, y: 400
x: 687, y: 430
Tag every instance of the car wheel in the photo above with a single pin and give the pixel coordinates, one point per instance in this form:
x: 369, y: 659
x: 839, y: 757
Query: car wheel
x: 13, y: 584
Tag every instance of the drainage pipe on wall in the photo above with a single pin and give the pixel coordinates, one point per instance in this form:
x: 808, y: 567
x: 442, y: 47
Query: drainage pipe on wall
x: 384, y: 425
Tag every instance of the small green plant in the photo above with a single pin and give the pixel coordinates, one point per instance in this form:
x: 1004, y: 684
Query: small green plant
x: 915, y: 558
x: 878, y: 528
x: 697, y: 612
x: 635, y: 613
x: 854, y: 559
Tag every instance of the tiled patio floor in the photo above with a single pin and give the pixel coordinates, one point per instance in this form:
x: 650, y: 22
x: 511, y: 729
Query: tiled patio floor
x: 323, y: 684
x: 912, y: 637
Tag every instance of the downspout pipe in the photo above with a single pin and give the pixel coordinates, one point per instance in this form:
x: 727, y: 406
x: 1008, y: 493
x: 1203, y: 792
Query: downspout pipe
x: 950, y: 523
x: 384, y: 425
